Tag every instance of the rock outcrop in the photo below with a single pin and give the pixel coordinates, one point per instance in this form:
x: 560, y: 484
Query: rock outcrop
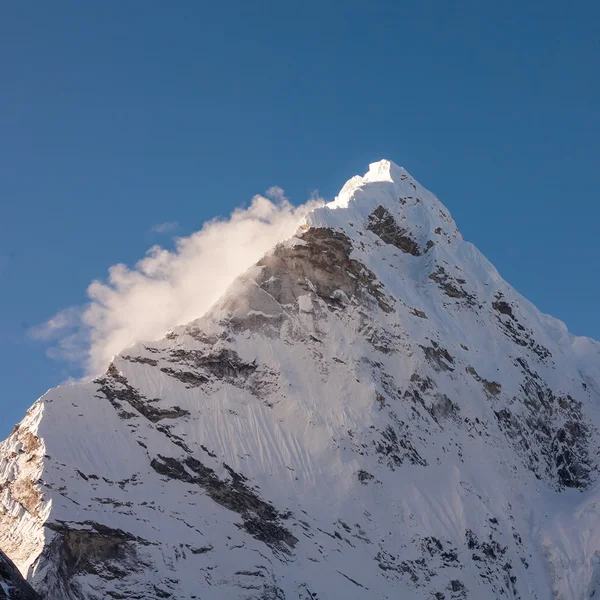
x: 12, y: 584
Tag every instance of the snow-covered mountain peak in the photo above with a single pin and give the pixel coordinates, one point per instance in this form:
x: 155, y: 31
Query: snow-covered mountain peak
x: 384, y: 170
x: 370, y: 412
x: 390, y: 203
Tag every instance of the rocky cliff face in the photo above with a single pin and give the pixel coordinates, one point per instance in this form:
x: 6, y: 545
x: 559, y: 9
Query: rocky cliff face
x: 12, y: 584
x: 369, y: 412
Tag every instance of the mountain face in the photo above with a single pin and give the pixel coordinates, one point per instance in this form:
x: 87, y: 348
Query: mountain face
x: 12, y: 584
x: 370, y: 412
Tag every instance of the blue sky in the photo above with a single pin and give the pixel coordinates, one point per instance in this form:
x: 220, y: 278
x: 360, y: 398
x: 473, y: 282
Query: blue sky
x: 116, y: 117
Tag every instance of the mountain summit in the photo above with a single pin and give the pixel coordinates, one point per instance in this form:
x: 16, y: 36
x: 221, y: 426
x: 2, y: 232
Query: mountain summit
x: 369, y: 412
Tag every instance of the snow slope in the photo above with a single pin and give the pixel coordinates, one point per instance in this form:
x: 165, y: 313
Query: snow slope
x: 369, y: 412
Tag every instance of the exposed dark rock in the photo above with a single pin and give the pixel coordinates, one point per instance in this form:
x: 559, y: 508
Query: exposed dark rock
x: 503, y: 308
x: 190, y: 379
x: 438, y: 357
x: 434, y: 557
x: 260, y: 518
x: 515, y: 331
x: 489, y: 557
x: 550, y: 433
x: 452, y: 287
x: 324, y: 261
x: 352, y: 580
x: 142, y: 360
x: 223, y: 364
x: 492, y: 388
x: 13, y: 582
x: 117, y: 389
x: 423, y: 383
x: 458, y: 589
x: 443, y: 408
x: 364, y: 477
x: 383, y: 341
x: 202, y: 550
x: 87, y: 548
x: 383, y: 224
x: 397, y: 449
x: 267, y: 325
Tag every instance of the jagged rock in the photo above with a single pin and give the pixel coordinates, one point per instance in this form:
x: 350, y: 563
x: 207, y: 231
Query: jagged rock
x: 12, y: 584
x: 382, y: 223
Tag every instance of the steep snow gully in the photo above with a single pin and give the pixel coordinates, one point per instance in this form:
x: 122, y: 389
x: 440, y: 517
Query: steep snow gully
x: 370, y: 412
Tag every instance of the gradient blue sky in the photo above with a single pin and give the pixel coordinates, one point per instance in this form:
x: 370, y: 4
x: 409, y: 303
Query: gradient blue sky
x: 116, y: 116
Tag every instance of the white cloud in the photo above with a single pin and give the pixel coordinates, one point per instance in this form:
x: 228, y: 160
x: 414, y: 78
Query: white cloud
x: 169, y: 288
x: 67, y: 318
x: 166, y: 227
x: 275, y: 193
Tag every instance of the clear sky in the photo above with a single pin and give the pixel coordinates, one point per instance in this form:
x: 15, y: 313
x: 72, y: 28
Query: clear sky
x: 118, y: 116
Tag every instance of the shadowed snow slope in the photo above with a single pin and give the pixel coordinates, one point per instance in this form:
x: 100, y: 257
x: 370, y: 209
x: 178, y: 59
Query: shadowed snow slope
x: 369, y: 412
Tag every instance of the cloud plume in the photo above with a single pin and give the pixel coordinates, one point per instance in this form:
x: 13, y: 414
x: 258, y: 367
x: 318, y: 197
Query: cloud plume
x: 169, y: 287
x: 166, y: 227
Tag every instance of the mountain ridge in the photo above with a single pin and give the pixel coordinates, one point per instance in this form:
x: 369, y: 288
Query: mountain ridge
x: 12, y: 584
x: 369, y: 410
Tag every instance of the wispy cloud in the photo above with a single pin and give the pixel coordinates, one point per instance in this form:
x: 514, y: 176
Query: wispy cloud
x: 67, y: 318
x: 166, y: 227
x: 169, y: 288
x: 275, y: 193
